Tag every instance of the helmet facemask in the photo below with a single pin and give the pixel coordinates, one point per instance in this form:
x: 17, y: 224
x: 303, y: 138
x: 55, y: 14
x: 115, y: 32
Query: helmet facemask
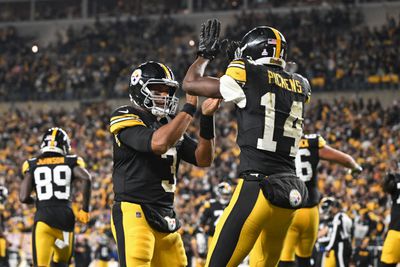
x: 158, y: 105
x: 223, y: 193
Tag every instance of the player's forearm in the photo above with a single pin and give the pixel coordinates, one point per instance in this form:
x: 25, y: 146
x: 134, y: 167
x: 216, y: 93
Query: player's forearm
x: 26, y: 189
x: 334, y: 155
x: 86, y: 189
x: 346, y: 160
x: 166, y: 136
x: 84, y: 176
x: 195, y: 83
x: 204, y: 152
x: 205, y: 148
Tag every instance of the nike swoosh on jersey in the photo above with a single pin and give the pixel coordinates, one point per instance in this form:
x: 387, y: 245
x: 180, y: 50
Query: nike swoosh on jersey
x: 123, y: 111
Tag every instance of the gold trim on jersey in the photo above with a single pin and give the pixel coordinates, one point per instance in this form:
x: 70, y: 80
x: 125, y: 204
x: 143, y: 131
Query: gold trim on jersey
x: 304, y: 143
x: 124, y: 116
x: 51, y: 161
x: 119, y: 125
x: 81, y: 162
x: 207, y: 205
x: 278, y: 42
x: 237, y: 70
x: 25, y: 167
x: 53, y: 137
x: 321, y: 142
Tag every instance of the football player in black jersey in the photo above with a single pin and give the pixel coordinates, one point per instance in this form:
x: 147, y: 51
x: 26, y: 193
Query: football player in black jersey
x: 269, y: 110
x: 212, y: 210
x: 303, y: 231
x: 148, y: 146
x: 51, y: 174
x: 3, y: 240
x: 390, y: 251
x: 335, y: 234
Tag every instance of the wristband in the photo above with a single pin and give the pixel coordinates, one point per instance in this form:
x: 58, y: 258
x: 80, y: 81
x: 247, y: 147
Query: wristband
x: 189, y: 109
x: 207, y: 127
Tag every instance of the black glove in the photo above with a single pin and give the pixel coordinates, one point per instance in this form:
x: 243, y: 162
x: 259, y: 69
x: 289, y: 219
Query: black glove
x: 356, y: 170
x: 230, y: 48
x: 209, y: 39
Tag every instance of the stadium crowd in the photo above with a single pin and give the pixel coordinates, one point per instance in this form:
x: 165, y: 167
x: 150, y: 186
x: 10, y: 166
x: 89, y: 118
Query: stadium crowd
x: 365, y: 130
x: 332, y: 47
x: 73, y: 9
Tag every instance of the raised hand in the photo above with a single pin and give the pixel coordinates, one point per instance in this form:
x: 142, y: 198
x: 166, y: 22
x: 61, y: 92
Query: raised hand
x: 209, y: 46
x: 231, y: 49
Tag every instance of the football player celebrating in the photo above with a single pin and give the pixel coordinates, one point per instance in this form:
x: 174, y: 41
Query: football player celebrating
x: 303, y: 231
x: 269, y: 109
x: 148, y: 146
x: 51, y: 175
x: 390, y: 251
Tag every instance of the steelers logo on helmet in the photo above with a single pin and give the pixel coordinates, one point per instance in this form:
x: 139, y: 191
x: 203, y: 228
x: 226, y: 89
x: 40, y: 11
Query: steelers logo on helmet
x: 148, y: 86
x: 55, y: 140
x: 264, y: 45
x: 295, y: 198
x: 135, y: 77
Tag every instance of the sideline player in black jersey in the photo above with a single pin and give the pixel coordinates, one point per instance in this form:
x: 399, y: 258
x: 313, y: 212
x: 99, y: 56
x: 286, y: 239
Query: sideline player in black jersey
x: 390, y: 251
x: 336, y: 234
x: 51, y: 175
x: 269, y: 111
x: 212, y: 209
x: 3, y: 240
x: 303, y: 231
x: 148, y: 146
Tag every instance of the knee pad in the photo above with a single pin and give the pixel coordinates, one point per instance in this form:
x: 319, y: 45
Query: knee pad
x: 304, y: 262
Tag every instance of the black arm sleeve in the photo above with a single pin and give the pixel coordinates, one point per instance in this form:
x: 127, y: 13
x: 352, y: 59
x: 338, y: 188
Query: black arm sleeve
x: 187, y: 150
x: 137, y: 138
x: 205, y: 216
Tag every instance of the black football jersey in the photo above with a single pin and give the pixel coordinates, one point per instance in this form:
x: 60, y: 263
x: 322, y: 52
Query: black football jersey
x: 395, y: 212
x: 270, y: 123
x: 141, y: 177
x: 307, y: 159
x: 52, y: 175
x: 212, y: 212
